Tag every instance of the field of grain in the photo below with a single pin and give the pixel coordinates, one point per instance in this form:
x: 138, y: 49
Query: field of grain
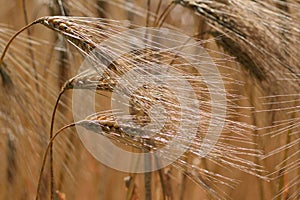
x: 255, y: 46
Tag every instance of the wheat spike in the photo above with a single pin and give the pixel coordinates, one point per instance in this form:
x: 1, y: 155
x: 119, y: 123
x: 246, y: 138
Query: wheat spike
x: 245, y: 31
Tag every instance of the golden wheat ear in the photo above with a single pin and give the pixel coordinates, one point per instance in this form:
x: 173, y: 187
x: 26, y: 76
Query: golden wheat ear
x: 58, y: 24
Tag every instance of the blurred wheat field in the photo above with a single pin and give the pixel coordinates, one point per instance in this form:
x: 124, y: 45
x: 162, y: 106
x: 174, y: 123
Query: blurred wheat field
x: 255, y: 45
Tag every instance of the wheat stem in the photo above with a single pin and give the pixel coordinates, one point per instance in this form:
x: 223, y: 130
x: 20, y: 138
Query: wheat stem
x: 131, y: 187
x: 45, y: 155
x: 14, y: 36
x: 182, y: 186
x: 168, y: 10
x: 51, y: 144
x: 165, y: 12
x: 162, y: 182
x: 148, y: 175
x: 157, y: 10
x: 30, y: 44
x: 148, y: 188
x: 148, y: 12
